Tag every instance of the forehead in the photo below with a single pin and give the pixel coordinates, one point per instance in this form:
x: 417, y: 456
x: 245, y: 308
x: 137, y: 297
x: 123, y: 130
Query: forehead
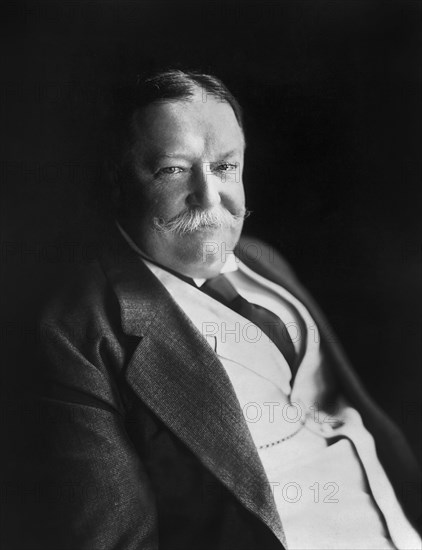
x: 191, y: 126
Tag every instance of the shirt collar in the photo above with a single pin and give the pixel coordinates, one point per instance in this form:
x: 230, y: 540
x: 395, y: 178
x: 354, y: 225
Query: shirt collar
x: 229, y: 265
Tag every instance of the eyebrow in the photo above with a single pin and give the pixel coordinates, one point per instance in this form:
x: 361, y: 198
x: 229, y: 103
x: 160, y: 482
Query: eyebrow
x: 183, y: 155
x: 171, y: 155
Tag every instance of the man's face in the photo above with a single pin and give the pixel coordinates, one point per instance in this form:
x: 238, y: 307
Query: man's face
x: 189, y: 201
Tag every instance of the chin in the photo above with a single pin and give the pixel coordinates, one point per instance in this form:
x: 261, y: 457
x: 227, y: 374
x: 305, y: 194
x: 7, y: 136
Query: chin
x: 201, y: 269
x: 209, y: 246
x: 201, y: 254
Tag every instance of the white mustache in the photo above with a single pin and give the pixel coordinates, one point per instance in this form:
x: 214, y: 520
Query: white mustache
x: 194, y: 219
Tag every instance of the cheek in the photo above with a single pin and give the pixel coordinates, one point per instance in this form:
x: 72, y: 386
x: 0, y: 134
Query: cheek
x: 235, y: 196
x: 164, y: 202
x: 241, y: 193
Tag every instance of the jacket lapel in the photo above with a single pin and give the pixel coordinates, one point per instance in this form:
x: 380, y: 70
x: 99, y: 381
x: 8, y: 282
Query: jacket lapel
x: 177, y: 375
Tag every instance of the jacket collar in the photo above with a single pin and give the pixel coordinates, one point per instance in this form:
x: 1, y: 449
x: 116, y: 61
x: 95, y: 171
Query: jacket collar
x: 176, y: 373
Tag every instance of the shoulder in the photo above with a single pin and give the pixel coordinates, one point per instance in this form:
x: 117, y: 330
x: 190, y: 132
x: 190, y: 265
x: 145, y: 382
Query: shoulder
x: 79, y: 292
x: 81, y: 311
x: 81, y: 347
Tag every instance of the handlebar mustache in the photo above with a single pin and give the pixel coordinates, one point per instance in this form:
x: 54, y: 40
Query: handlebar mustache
x: 193, y: 219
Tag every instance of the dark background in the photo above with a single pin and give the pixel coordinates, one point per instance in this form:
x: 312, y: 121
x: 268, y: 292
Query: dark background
x: 331, y: 92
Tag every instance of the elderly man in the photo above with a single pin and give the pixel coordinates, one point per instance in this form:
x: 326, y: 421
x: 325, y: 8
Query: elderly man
x: 201, y: 400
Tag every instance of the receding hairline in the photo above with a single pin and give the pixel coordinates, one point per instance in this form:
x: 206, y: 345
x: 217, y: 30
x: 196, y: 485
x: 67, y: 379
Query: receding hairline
x: 168, y: 86
x: 194, y: 96
x: 136, y: 116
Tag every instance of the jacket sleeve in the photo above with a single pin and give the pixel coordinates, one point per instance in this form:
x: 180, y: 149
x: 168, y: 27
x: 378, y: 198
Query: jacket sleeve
x: 93, y: 490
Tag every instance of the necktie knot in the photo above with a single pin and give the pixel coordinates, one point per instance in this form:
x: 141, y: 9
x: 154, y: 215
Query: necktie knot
x: 220, y: 288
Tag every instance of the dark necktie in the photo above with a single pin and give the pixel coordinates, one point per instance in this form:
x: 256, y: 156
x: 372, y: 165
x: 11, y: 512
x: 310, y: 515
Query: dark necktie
x: 221, y: 289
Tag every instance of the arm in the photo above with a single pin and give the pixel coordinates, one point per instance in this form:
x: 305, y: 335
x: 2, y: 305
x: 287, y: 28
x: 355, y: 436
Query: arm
x: 94, y: 492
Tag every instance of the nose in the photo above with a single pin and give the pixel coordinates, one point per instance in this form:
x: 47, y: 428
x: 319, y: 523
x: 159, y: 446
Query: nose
x: 204, y: 189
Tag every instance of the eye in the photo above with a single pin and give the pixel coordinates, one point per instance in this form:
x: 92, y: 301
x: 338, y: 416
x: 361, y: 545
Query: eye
x: 170, y: 170
x: 227, y: 167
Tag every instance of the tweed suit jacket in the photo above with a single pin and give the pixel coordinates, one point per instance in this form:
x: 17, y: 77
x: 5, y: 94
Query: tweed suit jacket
x: 150, y: 448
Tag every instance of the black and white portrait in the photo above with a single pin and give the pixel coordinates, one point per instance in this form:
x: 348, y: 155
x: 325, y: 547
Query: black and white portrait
x: 211, y: 275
